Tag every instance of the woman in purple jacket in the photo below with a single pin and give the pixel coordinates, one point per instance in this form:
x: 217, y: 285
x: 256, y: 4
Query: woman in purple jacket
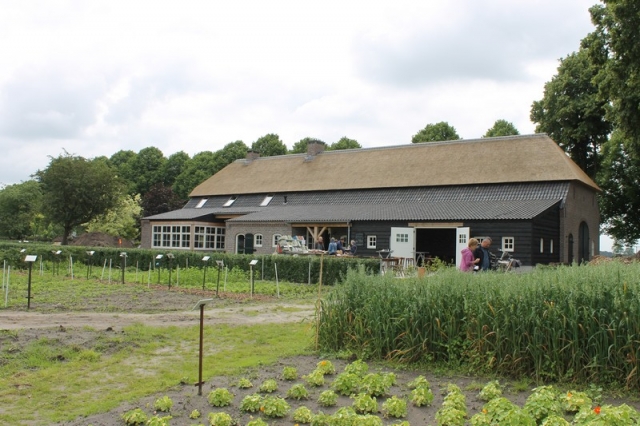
x: 468, y: 261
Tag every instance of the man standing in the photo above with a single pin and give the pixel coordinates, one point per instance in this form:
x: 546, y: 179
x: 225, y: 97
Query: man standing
x: 482, y: 253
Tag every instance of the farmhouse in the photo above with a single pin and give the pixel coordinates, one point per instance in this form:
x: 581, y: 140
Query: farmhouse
x: 420, y: 199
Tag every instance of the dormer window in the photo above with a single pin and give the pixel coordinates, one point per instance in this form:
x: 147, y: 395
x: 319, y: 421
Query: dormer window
x: 230, y: 201
x: 266, y: 200
x: 201, y: 203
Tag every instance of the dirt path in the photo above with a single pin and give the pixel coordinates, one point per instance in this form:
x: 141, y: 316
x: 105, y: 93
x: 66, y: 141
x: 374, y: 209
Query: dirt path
x: 258, y: 314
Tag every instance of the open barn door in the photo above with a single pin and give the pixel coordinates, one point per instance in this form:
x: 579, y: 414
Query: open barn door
x: 403, y: 242
x: 462, y: 240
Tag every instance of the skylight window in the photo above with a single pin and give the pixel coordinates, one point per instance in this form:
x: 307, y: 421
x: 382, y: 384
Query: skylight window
x: 266, y: 200
x: 201, y: 203
x: 230, y: 201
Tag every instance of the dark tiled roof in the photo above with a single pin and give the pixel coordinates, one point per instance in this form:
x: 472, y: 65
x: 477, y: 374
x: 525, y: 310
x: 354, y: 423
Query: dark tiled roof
x: 186, y: 213
x: 469, y: 202
x: 446, y: 210
x: 516, y: 191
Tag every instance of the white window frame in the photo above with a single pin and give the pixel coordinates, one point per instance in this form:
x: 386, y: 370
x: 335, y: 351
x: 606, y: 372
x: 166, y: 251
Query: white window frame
x: 275, y: 239
x: 208, y: 237
x: 201, y: 203
x: 257, y: 240
x: 541, y: 245
x: 230, y: 201
x: 508, y: 244
x: 171, y: 236
x: 372, y: 241
x: 402, y: 238
x: 266, y: 201
x: 551, y: 246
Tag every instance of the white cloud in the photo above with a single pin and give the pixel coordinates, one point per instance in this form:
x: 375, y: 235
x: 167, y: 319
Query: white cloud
x: 97, y: 77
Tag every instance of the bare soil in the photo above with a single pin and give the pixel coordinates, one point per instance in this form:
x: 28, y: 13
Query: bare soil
x: 174, y: 309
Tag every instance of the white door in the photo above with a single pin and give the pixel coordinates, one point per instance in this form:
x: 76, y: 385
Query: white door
x: 462, y: 240
x: 403, y: 242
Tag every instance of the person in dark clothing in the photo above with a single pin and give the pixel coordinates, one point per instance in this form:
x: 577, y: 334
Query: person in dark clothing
x: 482, y: 253
x: 353, y: 248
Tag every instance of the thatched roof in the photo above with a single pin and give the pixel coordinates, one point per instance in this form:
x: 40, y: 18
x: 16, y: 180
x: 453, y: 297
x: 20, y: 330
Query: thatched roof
x: 527, y: 158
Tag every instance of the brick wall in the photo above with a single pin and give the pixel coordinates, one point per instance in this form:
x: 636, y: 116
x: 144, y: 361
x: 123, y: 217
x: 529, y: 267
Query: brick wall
x: 581, y: 206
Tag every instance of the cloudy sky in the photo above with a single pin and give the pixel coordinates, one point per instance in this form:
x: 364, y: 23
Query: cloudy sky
x: 95, y: 77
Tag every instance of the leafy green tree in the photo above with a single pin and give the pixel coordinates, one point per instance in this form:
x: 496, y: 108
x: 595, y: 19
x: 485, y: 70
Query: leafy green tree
x: 148, y: 167
x: 172, y: 168
x: 122, y: 220
x: 233, y: 151
x: 437, y: 132
x: 501, y: 128
x: 618, y: 21
x: 571, y: 111
x: 160, y: 199
x: 124, y: 161
x: 269, y: 145
x: 77, y: 190
x: 344, y: 143
x: 620, y: 201
x: 300, y: 147
x: 20, y: 206
x: 200, y: 168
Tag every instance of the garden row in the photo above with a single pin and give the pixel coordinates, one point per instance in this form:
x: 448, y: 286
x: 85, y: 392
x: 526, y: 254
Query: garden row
x: 579, y: 323
x: 298, y: 269
x: 545, y: 405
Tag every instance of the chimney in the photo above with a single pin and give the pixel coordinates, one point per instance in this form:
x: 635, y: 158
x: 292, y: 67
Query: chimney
x: 315, y: 147
x: 252, y: 155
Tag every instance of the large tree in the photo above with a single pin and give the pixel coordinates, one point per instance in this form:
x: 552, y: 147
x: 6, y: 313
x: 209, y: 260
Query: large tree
x: 501, y: 128
x: 172, y: 168
x: 269, y: 145
x: 300, y: 147
x: 572, y: 112
x: 232, y: 151
x: 437, y: 132
x: 160, y: 199
x: 20, y: 206
x: 618, y: 178
x: 344, y: 143
x: 197, y: 170
x: 618, y: 22
x: 122, y: 220
x: 124, y: 161
x: 148, y: 166
x: 76, y: 190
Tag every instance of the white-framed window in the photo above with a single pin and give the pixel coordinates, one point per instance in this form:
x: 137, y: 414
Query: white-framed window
x: 177, y: 236
x: 276, y: 238
x: 402, y: 238
x: 257, y: 240
x: 266, y: 200
x: 508, y: 244
x: 551, y: 246
x: 201, y: 203
x: 230, y: 201
x: 372, y: 241
x: 541, y: 245
x: 212, y: 237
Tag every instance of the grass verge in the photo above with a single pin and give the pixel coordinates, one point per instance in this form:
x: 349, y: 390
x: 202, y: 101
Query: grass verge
x: 48, y: 381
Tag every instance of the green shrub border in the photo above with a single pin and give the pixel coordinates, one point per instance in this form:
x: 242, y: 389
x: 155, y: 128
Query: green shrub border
x: 296, y: 269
